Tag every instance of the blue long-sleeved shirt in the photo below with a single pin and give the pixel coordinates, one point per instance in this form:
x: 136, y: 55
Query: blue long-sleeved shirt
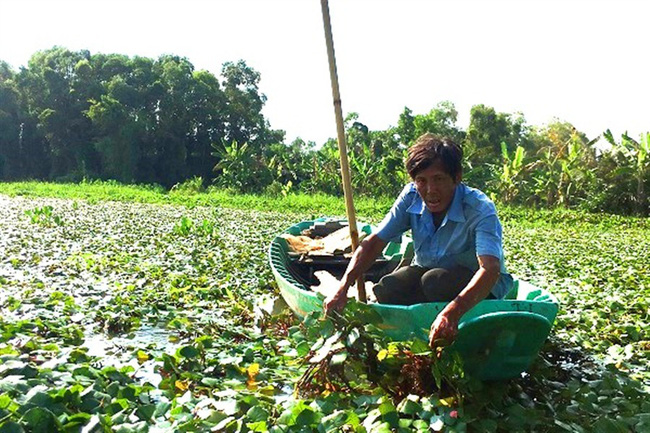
x: 470, y: 228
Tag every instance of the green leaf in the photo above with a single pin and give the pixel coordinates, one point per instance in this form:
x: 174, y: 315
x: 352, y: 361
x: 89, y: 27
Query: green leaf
x: 40, y: 420
x: 257, y: 414
x: 504, y: 152
x: 161, y: 409
x: 39, y: 398
x: 80, y: 417
x: 307, y: 417
x: 409, y: 406
x: 420, y: 347
x: 5, y: 401
x: 85, y: 371
x: 11, y: 427
x: 89, y: 404
x: 335, y: 419
x: 564, y: 425
x: 211, y: 382
x: 303, y: 348
x: 189, y: 352
x: 389, y: 413
x: 145, y: 412
x: 113, y: 389
x: 246, y: 402
x: 127, y: 392
x: 298, y: 414
x: 74, y: 422
x: 384, y: 427
x: 259, y: 426
x: 518, y: 160
x: 608, y: 425
x: 421, y: 425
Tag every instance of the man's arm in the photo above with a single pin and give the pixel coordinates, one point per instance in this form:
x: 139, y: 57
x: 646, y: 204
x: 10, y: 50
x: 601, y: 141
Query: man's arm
x: 445, y: 327
x: 362, y: 259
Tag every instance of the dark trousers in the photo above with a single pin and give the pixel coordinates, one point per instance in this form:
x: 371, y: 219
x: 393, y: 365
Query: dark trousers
x: 414, y: 285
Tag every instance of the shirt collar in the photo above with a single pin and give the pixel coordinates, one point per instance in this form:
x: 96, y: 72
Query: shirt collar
x: 455, y: 212
x: 417, y: 206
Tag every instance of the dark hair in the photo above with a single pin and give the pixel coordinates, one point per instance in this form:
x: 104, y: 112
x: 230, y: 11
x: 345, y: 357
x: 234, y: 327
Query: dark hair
x: 429, y: 148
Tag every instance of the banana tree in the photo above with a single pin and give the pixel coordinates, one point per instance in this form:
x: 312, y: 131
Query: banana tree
x: 510, y: 181
x: 239, y: 167
x: 564, y: 168
x: 574, y: 175
x: 364, y: 168
x: 324, y: 172
x: 636, y: 160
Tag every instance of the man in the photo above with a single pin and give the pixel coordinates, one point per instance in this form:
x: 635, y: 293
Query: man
x: 456, y: 236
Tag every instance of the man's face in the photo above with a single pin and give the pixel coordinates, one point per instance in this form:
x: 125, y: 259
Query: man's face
x: 436, y: 187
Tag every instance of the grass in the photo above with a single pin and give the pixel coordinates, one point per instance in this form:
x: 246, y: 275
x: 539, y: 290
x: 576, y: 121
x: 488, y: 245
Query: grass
x: 93, y: 191
x: 371, y: 208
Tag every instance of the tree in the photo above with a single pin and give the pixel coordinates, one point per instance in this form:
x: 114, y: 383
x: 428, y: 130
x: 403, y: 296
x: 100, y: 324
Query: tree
x: 325, y: 170
x: 563, y: 171
x: 207, y: 123
x: 290, y: 165
x: 244, y: 119
x: 123, y: 117
x: 10, y: 126
x: 631, y: 161
x: 241, y: 168
x: 510, y: 181
x: 441, y: 120
x: 57, y: 96
x: 482, y: 144
x: 117, y: 145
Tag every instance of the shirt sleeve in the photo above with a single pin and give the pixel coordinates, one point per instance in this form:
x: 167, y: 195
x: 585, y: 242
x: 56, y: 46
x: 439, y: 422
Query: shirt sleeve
x: 489, y: 237
x: 396, y: 222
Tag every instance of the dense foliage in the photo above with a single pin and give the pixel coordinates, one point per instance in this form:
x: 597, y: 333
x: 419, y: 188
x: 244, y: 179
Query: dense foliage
x: 73, y: 115
x: 69, y: 116
x: 118, y: 316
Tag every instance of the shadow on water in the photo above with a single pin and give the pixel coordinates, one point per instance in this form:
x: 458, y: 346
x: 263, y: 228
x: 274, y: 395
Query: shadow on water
x: 562, y: 362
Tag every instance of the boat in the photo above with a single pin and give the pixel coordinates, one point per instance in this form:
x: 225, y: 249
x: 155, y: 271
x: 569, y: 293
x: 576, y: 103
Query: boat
x: 497, y: 339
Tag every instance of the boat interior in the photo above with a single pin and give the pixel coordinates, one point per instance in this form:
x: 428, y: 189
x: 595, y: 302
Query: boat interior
x: 305, y: 265
x: 303, y: 268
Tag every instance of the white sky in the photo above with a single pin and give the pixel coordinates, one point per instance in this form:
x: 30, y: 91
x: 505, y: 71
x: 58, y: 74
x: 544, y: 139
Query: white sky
x: 585, y: 62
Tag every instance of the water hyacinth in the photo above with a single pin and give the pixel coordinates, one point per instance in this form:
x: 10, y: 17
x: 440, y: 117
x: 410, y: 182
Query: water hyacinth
x: 115, y: 320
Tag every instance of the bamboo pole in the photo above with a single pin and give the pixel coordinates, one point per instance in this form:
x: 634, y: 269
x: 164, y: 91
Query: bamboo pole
x: 343, y: 147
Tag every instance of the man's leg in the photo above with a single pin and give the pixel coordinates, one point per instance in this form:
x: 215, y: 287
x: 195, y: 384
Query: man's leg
x: 443, y: 285
x: 402, y: 287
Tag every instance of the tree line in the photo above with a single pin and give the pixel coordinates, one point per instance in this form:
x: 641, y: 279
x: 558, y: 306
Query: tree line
x: 70, y: 115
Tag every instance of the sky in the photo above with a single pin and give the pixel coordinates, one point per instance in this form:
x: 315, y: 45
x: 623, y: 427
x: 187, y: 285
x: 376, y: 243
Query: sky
x: 585, y: 62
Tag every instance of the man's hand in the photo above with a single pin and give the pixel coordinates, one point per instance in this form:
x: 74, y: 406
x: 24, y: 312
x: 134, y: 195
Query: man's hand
x: 336, y: 301
x: 362, y: 259
x: 443, y: 330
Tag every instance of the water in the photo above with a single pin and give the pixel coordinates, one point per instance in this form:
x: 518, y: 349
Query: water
x: 121, y: 351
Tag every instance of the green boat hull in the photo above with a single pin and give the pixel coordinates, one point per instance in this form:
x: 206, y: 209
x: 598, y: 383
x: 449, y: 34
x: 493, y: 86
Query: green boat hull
x: 497, y: 339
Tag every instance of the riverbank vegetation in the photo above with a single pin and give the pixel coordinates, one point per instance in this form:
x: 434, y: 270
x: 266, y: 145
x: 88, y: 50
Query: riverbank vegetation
x: 73, y: 115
